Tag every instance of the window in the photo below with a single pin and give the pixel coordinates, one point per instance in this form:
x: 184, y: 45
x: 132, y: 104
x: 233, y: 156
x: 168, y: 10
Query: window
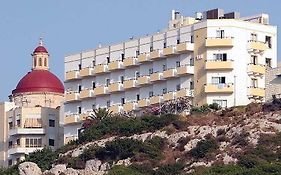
x: 33, y: 142
x: 51, y: 123
x: 10, y: 162
x: 138, y: 97
x: 93, y: 107
x: 10, y: 125
x: 220, y: 34
x: 94, y: 85
x: 79, y: 66
x: 18, y: 160
x: 122, y: 56
x: 150, y: 93
x: 10, y: 144
x: 151, y: 48
x: 268, y: 62
x: 79, y: 109
x: 107, y: 82
x: 221, y: 103
x: 164, y: 90
x: 178, y: 87
x: 40, y: 61
x: 164, y: 67
x: 254, y: 59
x: 191, y: 85
x: 137, y: 52
x: 254, y: 82
x: 18, y: 122
x: 165, y: 45
x: 51, y: 142
x: 192, y: 39
x: 108, y: 59
x: 122, y: 101
x: 121, y: 79
x: 94, y: 63
x: 45, y: 62
x: 178, y: 64
x: 79, y: 88
x: 150, y: 71
x: 191, y: 61
x: 268, y: 41
x: 178, y: 41
x: 108, y: 104
x: 137, y: 74
x: 218, y: 80
x: 254, y: 37
x: 220, y: 57
x: 35, y: 63
x: 18, y: 141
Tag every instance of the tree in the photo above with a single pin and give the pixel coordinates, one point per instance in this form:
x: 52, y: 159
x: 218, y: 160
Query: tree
x: 98, y: 115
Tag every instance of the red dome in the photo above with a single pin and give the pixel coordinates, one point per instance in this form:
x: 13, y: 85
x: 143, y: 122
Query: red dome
x: 39, y: 81
x: 40, y: 49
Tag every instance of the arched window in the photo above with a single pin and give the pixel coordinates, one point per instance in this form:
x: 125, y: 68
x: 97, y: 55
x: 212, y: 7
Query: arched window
x: 40, y: 61
x: 45, y: 62
x: 34, y: 62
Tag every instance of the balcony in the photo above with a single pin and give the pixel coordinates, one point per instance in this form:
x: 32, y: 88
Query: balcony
x: 257, y: 46
x: 219, y: 88
x: 115, y: 65
x: 100, y: 69
x: 183, y: 70
x: 155, y: 100
x: 157, y: 76
x: 84, y: 116
x: 129, y: 84
x: 219, y: 42
x: 115, y: 87
x: 143, y: 58
x: 170, y: 73
x: 116, y: 109
x: 256, y: 69
x: 169, y: 96
x: 144, y: 80
x: 72, y: 97
x: 22, y: 150
x: 71, y: 119
x: 86, y: 93
x: 23, y: 131
x: 218, y: 65
x: 72, y: 75
x: 143, y: 103
x: 256, y: 93
x: 86, y: 72
x: 155, y: 55
x: 184, y: 93
x: 130, y: 106
x: 185, y: 47
x: 169, y: 51
x: 128, y: 62
x: 101, y: 90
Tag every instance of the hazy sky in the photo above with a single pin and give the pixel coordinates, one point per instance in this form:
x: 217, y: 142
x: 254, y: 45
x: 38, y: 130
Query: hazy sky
x: 71, y: 26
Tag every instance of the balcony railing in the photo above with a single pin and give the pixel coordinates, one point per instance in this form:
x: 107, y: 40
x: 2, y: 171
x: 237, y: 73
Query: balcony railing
x: 130, y: 106
x: 131, y: 61
x: 156, y: 99
x: 143, y: 103
x: 170, y: 73
x: 116, y: 109
x: 129, y: 84
x: 100, y: 90
x: 156, y: 54
x: 72, y: 96
x: 86, y: 93
x: 219, y: 88
x: 219, y: 65
x: 100, y: 69
x: 185, y: 47
x: 157, y: 76
x: 256, y: 69
x: 184, y: 93
x: 115, y: 65
x: 169, y: 96
x: 143, y: 80
x: 257, y: 46
x: 23, y: 131
x: 143, y: 58
x: 256, y: 93
x: 115, y: 87
x: 185, y: 69
x: 169, y: 51
x: 85, y: 72
x: 219, y: 42
x: 72, y: 75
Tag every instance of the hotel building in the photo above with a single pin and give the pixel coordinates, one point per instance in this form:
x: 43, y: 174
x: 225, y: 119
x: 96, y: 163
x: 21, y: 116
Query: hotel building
x: 31, y: 120
x: 215, y: 57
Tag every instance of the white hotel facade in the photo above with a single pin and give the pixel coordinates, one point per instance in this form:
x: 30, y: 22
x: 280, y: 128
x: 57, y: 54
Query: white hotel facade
x: 213, y: 58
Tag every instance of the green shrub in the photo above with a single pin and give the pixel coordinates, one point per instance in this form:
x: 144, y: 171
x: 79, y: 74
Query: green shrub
x: 170, y: 169
x: 203, y: 147
x: 214, y: 106
x: 122, y: 170
x: 43, y: 158
x: 202, y: 109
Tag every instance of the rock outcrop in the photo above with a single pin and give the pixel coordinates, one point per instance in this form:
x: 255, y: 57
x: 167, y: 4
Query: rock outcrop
x: 29, y: 168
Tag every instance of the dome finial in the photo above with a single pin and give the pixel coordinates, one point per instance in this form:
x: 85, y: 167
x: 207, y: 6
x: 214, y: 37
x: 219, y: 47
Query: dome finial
x: 41, y: 41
